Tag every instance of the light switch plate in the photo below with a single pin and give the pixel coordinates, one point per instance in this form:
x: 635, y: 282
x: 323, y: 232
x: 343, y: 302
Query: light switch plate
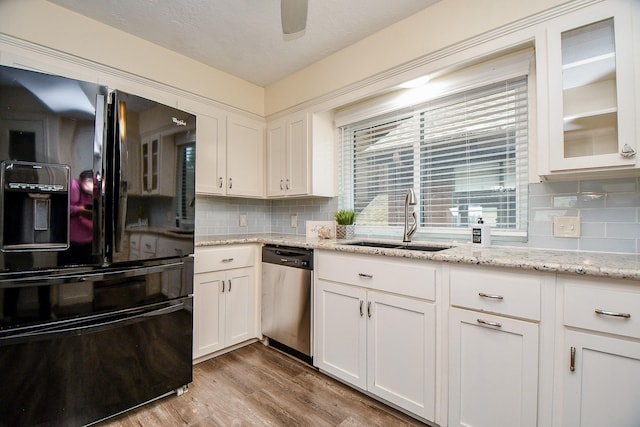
x: 566, y: 226
x: 244, y: 220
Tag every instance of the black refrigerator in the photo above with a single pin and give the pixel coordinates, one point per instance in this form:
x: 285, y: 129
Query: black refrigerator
x: 91, y: 323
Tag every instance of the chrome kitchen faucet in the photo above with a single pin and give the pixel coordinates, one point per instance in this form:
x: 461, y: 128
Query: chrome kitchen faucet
x: 409, y: 231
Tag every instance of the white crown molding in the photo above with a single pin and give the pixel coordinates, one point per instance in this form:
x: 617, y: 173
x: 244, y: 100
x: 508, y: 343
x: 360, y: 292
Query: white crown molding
x: 33, y: 50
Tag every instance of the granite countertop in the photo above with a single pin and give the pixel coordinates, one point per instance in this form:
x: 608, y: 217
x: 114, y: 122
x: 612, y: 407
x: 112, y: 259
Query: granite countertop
x: 618, y: 266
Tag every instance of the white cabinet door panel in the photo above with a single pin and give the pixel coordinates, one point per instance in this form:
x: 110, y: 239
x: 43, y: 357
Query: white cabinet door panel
x: 208, y: 332
x: 493, y: 371
x: 401, y: 356
x: 341, y: 332
x: 602, y: 390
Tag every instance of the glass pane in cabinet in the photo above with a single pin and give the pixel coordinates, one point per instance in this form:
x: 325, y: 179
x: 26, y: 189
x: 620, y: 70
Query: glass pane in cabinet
x: 589, y: 90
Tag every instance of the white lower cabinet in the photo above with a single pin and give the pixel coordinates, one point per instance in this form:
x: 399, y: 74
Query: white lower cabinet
x: 224, y: 308
x: 377, y: 341
x: 493, y: 370
x: 495, y: 330
x: 401, y: 351
x: 599, y: 355
x: 341, y: 332
x: 602, y: 388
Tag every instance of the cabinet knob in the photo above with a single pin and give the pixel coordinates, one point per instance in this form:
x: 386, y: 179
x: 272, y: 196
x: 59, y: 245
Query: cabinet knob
x: 627, y: 151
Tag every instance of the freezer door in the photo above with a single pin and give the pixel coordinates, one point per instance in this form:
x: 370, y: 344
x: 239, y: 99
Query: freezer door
x: 81, y: 371
x: 30, y: 301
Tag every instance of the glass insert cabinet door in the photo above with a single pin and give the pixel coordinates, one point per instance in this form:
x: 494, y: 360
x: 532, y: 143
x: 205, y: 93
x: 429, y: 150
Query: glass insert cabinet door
x: 591, y: 90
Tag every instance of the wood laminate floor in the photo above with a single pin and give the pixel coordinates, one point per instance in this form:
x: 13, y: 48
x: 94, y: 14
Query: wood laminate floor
x: 257, y: 385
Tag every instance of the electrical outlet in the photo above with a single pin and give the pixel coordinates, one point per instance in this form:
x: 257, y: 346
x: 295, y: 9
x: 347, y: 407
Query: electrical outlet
x: 566, y: 226
x: 244, y: 220
x: 294, y: 221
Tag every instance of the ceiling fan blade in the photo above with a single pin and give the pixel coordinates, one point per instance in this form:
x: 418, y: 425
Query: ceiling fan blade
x: 294, y: 15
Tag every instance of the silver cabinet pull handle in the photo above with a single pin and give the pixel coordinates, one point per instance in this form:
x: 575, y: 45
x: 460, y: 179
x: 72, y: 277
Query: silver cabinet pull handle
x: 287, y: 184
x: 366, y: 276
x: 369, y: 309
x: 229, y: 287
x: 361, y: 304
x: 498, y: 297
x: 494, y: 324
x: 222, y: 281
x: 220, y: 180
x: 572, y: 359
x: 612, y: 313
x: 230, y: 183
x: 227, y: 260
x: 282, y: 184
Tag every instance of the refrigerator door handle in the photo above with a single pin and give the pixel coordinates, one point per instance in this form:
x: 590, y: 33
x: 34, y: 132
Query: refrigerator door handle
x: 78, y: 328
x: 91, y: 276
x: 120, y: 183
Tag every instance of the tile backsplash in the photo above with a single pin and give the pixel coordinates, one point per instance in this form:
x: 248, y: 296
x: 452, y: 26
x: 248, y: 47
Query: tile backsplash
x: 221, y: 215
x: 609, y: 212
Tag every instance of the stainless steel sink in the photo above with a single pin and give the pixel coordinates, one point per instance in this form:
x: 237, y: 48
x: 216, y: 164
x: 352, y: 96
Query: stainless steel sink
x: 386, y: 245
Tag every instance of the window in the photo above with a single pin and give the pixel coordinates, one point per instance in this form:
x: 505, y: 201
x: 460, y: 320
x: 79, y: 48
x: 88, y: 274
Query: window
x: 463, y: 154
x: 186, y: 183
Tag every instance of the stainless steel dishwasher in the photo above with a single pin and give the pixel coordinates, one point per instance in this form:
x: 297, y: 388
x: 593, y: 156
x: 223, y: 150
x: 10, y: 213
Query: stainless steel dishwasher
x: 287, y: 277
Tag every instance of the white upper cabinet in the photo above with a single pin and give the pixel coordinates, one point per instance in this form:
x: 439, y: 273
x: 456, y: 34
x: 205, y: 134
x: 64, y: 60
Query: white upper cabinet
x: 211, y: 132
x: 230, y: 155
x: 245, y: 157
x: 590, y: 101
x: 300, y: 156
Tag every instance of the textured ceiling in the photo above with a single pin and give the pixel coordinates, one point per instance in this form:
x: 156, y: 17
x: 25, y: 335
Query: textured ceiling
x: 244, y: 37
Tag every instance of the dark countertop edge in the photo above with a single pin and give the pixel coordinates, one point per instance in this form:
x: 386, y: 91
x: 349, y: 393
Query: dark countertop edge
x: 596, y: 264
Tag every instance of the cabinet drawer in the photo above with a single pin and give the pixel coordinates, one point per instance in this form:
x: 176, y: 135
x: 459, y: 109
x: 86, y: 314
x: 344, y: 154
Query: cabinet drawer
x: 134, y: 242
x: 148, y: 244
x: 401, y: 276
x: 224, y: 258
x: 618, y: 309
x: 496, y: 291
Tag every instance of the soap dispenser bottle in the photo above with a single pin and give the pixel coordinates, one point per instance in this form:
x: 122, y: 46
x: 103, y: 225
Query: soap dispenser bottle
x: 481, y: 234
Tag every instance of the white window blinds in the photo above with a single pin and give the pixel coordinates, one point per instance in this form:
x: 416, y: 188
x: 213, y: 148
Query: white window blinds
x: 464, y: 155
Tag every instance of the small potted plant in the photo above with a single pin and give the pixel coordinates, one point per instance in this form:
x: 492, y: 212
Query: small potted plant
x: 345, y: 219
